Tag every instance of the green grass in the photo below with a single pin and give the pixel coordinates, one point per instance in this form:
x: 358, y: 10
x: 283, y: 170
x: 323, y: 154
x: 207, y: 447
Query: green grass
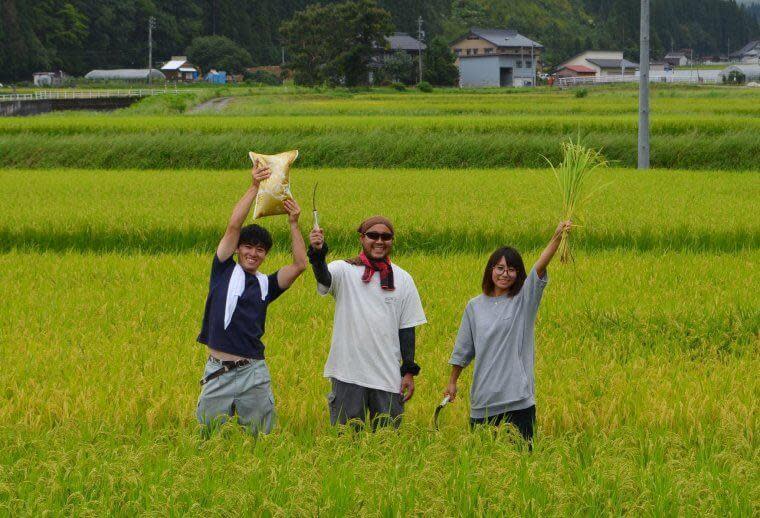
x: 646, y: 396
x: 713, y: 128
x: 441, y: 211
x: 647, y: 346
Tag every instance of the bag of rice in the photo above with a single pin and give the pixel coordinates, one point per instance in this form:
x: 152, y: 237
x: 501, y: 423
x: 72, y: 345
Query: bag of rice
x: 275, y: 189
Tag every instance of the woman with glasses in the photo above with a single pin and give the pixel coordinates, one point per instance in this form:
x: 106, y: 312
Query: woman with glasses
x: 497, y: 329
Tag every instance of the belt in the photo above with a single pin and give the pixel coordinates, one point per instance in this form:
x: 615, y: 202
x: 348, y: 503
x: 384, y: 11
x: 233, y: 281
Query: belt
x: 227, y: 366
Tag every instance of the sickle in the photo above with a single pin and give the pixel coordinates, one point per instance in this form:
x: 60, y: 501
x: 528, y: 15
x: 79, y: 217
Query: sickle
x: 438, y: 410
x: 314, y: 206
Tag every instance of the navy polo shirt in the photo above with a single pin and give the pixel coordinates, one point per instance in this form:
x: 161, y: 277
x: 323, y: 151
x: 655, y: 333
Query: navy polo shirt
x: 243, y: 335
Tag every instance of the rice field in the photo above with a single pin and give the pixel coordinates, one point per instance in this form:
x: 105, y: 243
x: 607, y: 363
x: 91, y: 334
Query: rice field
x: 647, y: 345
x: 711, y: 128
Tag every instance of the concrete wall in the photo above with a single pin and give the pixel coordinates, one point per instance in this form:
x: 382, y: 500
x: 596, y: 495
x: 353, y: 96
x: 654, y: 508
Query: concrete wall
x: 37, y: 106
x: 485, y: 71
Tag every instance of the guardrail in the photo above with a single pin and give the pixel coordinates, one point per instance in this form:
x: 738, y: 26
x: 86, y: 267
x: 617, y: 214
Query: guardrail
x: 84, y: 94
x: 566, y: 82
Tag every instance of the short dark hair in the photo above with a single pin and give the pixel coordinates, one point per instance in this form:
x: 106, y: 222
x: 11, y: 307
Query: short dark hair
x: 514, y: 260
x: 255, y: 235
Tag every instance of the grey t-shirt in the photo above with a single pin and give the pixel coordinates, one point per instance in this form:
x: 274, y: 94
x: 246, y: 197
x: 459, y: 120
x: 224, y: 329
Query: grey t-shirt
x: 498, y: 331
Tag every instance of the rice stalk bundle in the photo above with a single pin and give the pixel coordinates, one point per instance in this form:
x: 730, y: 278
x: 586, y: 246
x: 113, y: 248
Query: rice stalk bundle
x: 572, y: 174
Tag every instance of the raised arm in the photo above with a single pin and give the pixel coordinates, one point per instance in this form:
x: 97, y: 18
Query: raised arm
x: 551, y: 248
x: 229, y: 241
x: 288, y: 274
x: 318, y: 257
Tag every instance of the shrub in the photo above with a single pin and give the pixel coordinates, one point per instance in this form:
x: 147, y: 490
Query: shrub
x: 424, y: 86
x: 580, y: 93
x: 735, y: 77
x: 398, y: 86
x: 263, y: 77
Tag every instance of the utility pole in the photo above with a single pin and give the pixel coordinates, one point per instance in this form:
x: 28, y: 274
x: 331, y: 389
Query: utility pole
x: 151, y: 26
x: 644, y: 88
x: 420, y: 35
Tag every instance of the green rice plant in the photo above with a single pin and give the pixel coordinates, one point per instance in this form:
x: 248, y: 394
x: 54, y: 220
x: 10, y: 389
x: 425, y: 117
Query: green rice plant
x: 646, y: 384
x: 572, y: 175
x: 446, y: 128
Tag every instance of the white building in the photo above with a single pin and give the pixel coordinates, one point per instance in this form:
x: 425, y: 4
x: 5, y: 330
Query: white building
x: 496, y: 57
x: 749, y: 54
x: 676, y: 59
x: 602, y: 62
x: 179, y: 69
x: 125, y: 74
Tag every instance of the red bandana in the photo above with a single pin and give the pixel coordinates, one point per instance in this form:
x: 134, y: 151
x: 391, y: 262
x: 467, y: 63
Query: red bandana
x: 383, y: 266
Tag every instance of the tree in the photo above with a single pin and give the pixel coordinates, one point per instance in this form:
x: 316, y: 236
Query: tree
x: 218, y: 52
x: 400, y: 66
x: 335, y: 43
x: 439, y: 62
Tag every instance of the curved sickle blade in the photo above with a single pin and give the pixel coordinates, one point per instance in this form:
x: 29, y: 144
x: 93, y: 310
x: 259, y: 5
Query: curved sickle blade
x: 314, y: 206
x: 438, y: 410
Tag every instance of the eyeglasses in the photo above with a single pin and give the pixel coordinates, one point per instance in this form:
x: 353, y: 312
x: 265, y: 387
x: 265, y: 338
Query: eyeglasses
x: 385, y: 236
x: 501, y: 270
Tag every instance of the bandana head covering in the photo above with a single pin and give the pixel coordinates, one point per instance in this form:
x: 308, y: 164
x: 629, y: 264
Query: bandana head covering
x: 375, y: 220
x: 382, y: 266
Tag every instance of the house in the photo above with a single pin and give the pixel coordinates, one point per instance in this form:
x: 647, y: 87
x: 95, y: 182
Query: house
x: 749, y: 54
x: 496, y: 57
x: 602, y: 62
x: 125, y: 74
x: 401, y: 41
x: 676, y: 59
x: 398, y: 42
x: 180, y: 69
x: 49, y: 78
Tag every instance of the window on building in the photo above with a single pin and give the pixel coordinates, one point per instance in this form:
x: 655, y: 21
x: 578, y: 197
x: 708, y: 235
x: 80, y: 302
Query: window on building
x: 474, y: 52
x: 528, y: 63
x: 469, y: 52
x: 489, y: 51
x: 519, y: 63
x: 458, y: 51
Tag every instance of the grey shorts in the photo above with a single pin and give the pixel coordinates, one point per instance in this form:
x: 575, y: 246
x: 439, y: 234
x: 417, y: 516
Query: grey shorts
x: 245, y: 391
x: 349, y: 402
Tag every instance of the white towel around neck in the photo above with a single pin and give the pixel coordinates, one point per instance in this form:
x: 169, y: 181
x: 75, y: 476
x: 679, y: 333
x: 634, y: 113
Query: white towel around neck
x: 236, y: 288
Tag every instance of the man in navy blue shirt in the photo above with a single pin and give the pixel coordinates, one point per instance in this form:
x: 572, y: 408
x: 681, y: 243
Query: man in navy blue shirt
x: 236, y: 380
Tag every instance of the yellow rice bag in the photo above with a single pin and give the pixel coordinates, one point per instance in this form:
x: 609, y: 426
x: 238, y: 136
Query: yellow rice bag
x: 275, y: 189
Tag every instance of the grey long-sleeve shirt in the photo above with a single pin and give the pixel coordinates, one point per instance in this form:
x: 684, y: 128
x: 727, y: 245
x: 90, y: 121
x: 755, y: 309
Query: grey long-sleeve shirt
x: 498, y: 332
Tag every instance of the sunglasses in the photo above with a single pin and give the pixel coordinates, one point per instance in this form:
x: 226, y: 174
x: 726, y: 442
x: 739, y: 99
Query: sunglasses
x: 385, y: 236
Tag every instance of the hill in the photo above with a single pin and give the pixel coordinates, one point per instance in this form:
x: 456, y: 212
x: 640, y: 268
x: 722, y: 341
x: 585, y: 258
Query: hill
x: 78, y: 35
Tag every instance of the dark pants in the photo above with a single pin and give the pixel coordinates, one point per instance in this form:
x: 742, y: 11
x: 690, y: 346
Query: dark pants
x: 523, y: 420
x: 349, y: 402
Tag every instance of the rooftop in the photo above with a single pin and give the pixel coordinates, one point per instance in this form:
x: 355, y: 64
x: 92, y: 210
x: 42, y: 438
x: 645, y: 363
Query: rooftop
x: 403, y: 41
x: 502, y: 37
x: 580, y: 69
x: 124, y: 73
x: 175, y: 63
x: 613, y: 63
x: 748, y: 47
